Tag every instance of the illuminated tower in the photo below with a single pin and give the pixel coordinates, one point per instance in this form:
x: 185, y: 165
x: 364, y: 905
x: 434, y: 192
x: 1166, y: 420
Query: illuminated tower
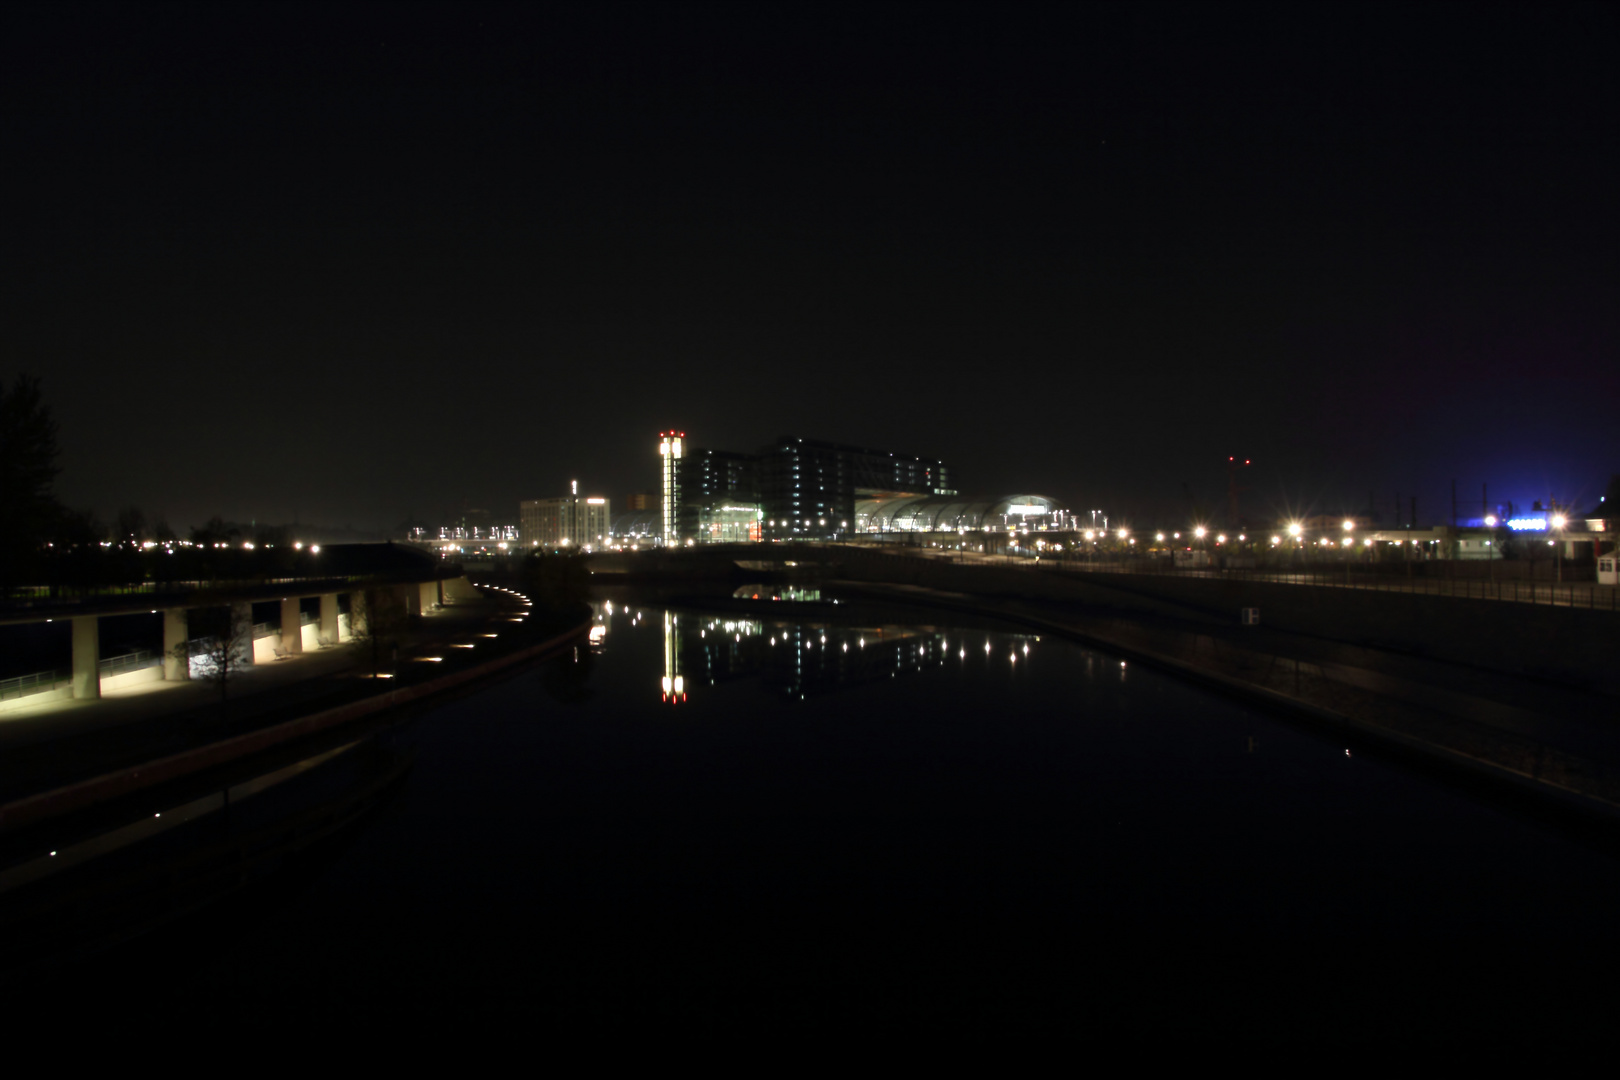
x: 669, y: 451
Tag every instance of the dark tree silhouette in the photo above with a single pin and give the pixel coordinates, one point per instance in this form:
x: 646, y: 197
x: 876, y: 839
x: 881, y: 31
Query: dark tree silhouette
x: 28, y: 468
x: 377, y: 626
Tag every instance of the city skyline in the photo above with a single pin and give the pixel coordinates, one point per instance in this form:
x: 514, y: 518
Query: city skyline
x: 351, y: 265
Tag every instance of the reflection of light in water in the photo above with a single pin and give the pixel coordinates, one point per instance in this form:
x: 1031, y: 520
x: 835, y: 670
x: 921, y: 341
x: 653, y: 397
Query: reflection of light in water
x: 673, y: 683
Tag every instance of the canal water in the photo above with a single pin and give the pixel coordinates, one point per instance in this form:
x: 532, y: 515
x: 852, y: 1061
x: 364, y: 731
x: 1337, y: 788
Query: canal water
x: 803, y: 815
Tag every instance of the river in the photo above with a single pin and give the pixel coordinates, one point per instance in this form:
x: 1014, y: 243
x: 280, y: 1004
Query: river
x: 814, y: 814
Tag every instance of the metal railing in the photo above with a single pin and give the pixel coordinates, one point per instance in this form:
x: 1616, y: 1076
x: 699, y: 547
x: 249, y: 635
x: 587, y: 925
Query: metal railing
x: 130, y: 661
x: 1342, y: 575
x: 37, y: 683
x: 177, y: 591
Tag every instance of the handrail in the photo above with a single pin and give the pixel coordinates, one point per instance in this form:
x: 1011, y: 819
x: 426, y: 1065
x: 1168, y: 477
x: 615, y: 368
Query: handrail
x: 18, y: 685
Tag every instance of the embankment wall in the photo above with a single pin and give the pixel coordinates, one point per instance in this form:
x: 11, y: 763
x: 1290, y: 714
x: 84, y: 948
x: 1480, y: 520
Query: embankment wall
x: 1567, y: 646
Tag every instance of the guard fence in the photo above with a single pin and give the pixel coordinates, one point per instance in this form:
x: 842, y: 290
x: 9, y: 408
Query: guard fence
x: 1416, y: 578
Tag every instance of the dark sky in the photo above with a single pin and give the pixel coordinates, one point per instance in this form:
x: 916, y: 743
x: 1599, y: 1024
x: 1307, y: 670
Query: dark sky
x: 353, y: 263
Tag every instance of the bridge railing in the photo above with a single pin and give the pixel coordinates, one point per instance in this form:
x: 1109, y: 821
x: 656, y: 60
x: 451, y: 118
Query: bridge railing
x: 49, y: 598
x: 1344, y: 575
x: 37, y: 683
x: 130, y: 661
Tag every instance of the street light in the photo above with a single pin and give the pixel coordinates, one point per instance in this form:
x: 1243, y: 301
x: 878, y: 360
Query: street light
x: 1558, y: 521
x: 1349, y: 527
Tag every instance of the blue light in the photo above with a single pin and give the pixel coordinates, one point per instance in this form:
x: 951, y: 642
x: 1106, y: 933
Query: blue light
x: 1527, y: 524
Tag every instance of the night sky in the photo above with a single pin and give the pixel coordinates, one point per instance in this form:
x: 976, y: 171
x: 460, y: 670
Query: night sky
x: 354, y: 264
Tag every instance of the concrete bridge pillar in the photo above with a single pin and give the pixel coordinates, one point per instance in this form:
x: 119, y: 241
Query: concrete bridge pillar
x: 410, y: 600
x: 292, y: 630
x: 428, y: 596
x: 175, y: 668
x: 329, y: 616
x: 242, y: 634
x: 86, y: 657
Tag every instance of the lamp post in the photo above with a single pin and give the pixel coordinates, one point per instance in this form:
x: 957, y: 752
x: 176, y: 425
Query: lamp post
x: 1490, y: 556
x: 1558, y: 521
x: 1349, y: 527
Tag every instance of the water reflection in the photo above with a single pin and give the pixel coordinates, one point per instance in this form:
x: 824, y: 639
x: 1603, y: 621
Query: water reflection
x: 802, y: 659
x: 673, y: 682
x: 790, y: 593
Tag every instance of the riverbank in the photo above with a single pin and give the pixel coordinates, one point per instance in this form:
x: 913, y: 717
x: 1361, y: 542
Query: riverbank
x: 55, y: 778
x: 1518, y: 737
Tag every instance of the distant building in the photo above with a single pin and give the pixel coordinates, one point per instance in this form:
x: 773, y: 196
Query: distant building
x: 578, y: 521
x: 953, y: 514
x: 809, y: 488
x: 720, y: 498
x: 794, y: 488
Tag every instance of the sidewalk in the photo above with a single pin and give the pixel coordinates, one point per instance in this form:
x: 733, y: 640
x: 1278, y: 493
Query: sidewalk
x: 59, y: 742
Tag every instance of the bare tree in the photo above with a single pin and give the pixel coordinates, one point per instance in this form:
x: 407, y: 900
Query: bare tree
x: 377, y: 625
x: 220, y: 645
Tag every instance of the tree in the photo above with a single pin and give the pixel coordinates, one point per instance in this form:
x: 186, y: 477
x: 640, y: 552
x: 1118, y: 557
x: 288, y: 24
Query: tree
x: 130, y: 527
x: 556, y: 581
x: 221, y: 643
x: 377, y: 625
x: 28, y: 469
x: 216, y: 531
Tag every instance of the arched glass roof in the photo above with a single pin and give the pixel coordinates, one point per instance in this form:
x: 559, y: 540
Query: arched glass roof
x: 950, y: 513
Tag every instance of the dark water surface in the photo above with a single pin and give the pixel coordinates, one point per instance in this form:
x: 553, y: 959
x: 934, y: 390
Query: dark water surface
x: 902, y: 824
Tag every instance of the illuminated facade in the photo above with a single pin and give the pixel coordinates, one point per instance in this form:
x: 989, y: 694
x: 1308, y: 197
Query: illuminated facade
x: 578, y: 521
x: 920, y: 513
x: 719, y: 498
x: 794, y: 489
x: 670, y: 453
x: 809, y: 488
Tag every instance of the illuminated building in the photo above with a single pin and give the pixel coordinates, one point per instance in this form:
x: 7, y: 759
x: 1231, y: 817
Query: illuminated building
x: 948, y: 513
x: 720, y: 499
x: 670, y: 452
x: 574, y: 520
x: 795, y: 488
x: 809, y: 488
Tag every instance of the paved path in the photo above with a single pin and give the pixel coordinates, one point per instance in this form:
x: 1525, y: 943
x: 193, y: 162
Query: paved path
x: 58, y: 742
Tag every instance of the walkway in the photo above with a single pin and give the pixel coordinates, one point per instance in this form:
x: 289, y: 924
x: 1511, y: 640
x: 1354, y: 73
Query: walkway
x: 61, y: 741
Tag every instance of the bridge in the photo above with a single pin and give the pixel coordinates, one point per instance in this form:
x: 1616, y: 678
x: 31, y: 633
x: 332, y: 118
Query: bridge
x: 350, y: 571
